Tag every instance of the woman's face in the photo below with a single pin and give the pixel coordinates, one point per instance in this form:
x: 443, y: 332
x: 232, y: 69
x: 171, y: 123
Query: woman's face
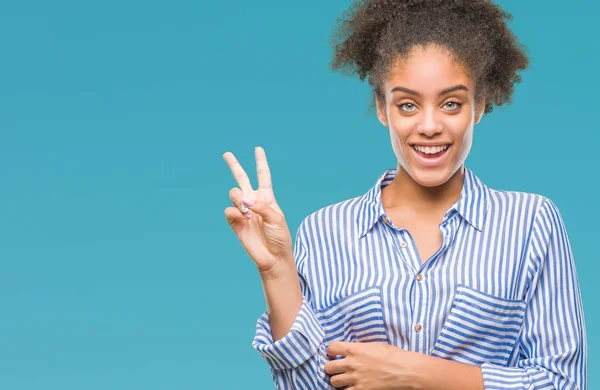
x: 430, y: 112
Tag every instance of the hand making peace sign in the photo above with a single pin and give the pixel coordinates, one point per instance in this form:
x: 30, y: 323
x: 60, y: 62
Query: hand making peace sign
x: 262, y: 230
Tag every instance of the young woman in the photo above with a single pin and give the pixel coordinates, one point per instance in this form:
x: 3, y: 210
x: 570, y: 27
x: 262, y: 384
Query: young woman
x: 431, y: 279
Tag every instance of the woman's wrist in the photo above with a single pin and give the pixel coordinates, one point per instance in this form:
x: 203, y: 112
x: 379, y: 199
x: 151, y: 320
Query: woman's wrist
x: 434, y: 373
x: 413, y: 372
x: 284, y: 268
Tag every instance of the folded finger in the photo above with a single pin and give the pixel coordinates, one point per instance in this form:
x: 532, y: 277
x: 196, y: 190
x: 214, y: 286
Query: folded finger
x: 235, y: 195
x: 237, y: 198
x: 339, y: 348
x: 234, y: 214
x: 341, y: 380
x: 333, y: 367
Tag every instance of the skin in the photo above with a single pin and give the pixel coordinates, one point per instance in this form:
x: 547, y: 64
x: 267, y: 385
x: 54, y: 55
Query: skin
x: 429, y: 118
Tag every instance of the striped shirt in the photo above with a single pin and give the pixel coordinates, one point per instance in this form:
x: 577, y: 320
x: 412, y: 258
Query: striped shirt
x: 501, y: 292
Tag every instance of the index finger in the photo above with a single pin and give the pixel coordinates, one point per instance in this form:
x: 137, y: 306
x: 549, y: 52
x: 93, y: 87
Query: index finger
x: 338, y: 348
x: 238, y: 173
x: 262, y: 169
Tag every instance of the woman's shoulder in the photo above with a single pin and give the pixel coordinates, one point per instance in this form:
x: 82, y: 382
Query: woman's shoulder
x: 511, y: 198
x: 338, y: 216
x: 347, y: 208
x: 514, y: 200
x: 516, y: 195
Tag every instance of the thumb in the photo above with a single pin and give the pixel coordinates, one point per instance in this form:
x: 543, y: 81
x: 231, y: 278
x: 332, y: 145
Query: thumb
x: 267, y: 213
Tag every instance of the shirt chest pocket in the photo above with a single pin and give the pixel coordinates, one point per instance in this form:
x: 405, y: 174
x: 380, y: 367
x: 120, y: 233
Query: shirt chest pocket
x: 480, y: 328
x: 356, y: 317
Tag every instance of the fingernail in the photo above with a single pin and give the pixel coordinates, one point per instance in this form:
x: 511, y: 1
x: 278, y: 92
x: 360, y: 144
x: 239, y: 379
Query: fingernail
x: 247, y: 201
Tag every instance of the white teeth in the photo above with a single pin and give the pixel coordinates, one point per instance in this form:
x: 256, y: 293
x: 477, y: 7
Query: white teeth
x: 430, y: 150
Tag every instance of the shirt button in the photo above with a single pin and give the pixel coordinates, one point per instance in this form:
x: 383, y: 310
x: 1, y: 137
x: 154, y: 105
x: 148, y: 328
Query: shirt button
x: 403, y: 244
x: 419, y: 277
x: 386, y: 219
x: 418, y: 328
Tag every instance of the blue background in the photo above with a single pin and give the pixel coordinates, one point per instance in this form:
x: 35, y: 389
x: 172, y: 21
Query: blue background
x: 117, y: 267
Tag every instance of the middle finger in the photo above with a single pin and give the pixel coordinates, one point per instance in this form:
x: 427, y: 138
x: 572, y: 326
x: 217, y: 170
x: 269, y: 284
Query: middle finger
x: 335, y: 367
x: 262, y: 169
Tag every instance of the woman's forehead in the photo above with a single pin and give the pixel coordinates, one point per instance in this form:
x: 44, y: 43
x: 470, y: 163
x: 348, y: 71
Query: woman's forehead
x: 427, y: 71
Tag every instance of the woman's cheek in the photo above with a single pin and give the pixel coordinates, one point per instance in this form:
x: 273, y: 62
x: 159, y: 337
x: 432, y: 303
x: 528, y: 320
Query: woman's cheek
x: 401, y: 154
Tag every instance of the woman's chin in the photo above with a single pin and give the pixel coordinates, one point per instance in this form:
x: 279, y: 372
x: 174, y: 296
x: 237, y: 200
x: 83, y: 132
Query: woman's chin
x: 430, y: 177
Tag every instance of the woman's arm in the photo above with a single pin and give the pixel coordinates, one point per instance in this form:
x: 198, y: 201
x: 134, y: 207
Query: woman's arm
x: 282, y: 296
x: 553, y: 339
x: 292, y: 349
x: 383, y: 366
x: 553, y: 342
x: 435, y: 373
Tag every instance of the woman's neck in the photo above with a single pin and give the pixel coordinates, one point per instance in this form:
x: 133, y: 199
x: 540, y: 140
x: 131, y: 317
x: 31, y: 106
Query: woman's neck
x: 405, y: 193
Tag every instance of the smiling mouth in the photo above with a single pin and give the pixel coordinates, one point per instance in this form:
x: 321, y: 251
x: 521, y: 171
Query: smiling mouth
x: 431, y: 152
x: 431, y: 157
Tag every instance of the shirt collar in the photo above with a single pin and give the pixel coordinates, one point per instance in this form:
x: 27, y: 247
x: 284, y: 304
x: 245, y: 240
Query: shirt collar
x: 472, y: 203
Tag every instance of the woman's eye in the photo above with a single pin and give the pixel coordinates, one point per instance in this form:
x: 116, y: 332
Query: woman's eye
x: 407, y: 106
x: 452, y: 105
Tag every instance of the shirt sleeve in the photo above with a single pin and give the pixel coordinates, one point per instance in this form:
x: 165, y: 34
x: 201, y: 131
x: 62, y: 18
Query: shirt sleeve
x: 294, y: 359
x: 553, y: 346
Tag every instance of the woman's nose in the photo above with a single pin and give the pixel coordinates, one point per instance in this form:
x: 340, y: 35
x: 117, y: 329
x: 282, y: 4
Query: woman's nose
x: 429, y: 125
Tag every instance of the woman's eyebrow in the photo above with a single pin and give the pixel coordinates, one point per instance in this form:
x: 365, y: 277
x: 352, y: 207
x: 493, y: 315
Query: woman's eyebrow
x: 445, y: 91
x: 458, y: 87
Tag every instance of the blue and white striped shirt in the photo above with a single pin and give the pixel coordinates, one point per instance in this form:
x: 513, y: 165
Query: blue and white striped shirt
x: 501, y: 292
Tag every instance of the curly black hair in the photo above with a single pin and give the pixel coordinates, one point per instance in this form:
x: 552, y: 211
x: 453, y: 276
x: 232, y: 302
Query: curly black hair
x: 373, y: 34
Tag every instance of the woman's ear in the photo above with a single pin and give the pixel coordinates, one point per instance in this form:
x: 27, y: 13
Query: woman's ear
x: 479, y: 110
x: 381, y: 114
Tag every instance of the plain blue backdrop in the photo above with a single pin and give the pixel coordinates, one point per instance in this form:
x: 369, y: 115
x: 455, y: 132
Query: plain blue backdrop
x: 117, y: 267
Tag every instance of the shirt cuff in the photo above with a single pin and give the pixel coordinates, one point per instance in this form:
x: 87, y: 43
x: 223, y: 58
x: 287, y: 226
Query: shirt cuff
x: 300, y: 344
x: 503, y: 378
